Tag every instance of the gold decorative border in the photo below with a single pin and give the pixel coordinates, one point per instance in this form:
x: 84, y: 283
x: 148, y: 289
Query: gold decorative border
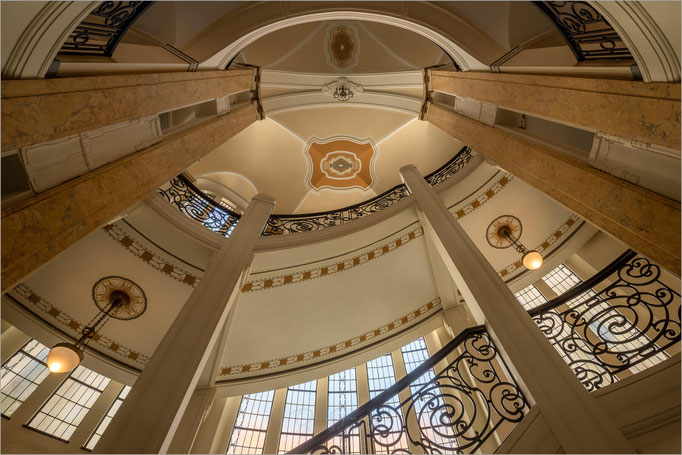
x: 482, y: 198
x: 419, y: 314
x: 562, y: 230
x: 155, y: 261
x: 330, y: 269
x: 71, y: 325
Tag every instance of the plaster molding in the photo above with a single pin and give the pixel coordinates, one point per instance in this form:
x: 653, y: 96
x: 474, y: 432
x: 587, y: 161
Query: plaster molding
x: 649, y: 45
x: 296, y: 80
x: 221, y: 59
x: 301, y: 276
x: 366, y: 99
x: 40, y: 41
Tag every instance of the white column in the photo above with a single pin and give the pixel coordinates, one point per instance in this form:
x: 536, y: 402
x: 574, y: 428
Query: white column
x: 195, y: 413
x: 148, y: 418
x: 274, y: 432
x: 573, y: 415
x: 321, y: 416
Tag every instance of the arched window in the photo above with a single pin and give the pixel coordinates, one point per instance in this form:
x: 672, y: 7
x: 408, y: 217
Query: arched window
x: 414, y: 354
x: 342, y: 400
x: 299, y: 416
x: 248, y: 435
x: 381, y: 376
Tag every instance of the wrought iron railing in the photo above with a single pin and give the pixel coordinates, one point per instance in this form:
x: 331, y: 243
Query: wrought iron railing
x: 102, y: 30
x: 454, y: 411
x: 585, y: 30
x: 196, y: 205
x: 192, y: 202
x: 627, y: 325
x: 291, y: 224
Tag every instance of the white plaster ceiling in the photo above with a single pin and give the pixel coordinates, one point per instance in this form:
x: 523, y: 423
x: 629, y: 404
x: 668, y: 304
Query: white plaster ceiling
x: 271, y: 153
x: 381, y: 48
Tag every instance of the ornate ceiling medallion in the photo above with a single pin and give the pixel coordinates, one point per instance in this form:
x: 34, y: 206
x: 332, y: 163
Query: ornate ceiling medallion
x: 341, y: 163
x: 342, y: 89
x: 342, y: 46
x: 137, y: 299
x: 492, y: 234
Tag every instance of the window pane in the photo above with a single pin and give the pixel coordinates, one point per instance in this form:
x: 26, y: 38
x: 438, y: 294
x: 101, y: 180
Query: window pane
x: 530, y: 297
x: 414, y: 354
x: 381, y: 376
x: 341, y: 401
x: 562, y: 279
x: 21, y: 375
x: 299, y: 416
x: 248, y: 435
x: 104, y: 423
x: 64, y: 411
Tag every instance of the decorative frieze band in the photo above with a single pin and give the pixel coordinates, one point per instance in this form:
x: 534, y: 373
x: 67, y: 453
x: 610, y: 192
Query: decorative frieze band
x: 35, y: 302
x: 314, y: 355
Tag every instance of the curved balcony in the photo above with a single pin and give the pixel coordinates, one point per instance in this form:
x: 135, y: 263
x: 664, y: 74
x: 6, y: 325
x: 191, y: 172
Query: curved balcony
x: 195, y: 204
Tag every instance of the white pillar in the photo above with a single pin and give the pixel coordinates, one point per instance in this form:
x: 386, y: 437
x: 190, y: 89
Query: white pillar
x: 573, y: 415
x: 195, y: 413
x: 274, y: 432
x: 148, y: 418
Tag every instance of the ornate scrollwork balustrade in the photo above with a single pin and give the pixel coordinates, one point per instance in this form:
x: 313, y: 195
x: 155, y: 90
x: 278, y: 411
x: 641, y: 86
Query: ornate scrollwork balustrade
x: 102, y: 30
x: 456, y: 410
x: 193, y: 203
x: 626, y: 325
x: 585, y: 30
x: 291, y: 224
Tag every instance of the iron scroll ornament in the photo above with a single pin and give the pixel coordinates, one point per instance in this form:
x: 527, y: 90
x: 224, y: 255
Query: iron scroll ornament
x: 196, y: 205
x: 585, y: 31
x: 457, y: 410
x: 601, y: 334
x: 102, y: 30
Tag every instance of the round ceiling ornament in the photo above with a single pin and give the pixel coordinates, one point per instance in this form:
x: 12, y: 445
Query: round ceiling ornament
x: 104, y: 287
x: 495, y: 238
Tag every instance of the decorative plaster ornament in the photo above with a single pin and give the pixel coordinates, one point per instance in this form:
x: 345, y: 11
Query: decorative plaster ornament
x: 136, y: 305
x: 340, y: 163
x: 342, y: 89
x: 342, y: 46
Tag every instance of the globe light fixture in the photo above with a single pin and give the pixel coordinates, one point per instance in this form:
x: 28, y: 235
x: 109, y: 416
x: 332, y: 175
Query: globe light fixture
x: 531, y: 259
x: 64, y: 357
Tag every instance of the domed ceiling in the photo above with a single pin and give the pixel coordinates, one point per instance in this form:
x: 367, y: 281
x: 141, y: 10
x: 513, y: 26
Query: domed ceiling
x: 320, y: 148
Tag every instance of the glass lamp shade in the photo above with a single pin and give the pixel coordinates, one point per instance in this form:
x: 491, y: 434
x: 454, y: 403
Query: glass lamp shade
x: 64, y: 357
x: 532, y: 260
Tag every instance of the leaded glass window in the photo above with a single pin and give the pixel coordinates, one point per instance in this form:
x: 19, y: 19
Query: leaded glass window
x: 248, y: 435
x: 68, y: 405
x: 22, y: 374
x: 381, y: 376
x: 106, y: 420
x: 529, y: 297
x: 299, y: 416
x: 560, y: 280
x: 341, y: 401
x: 414, y: 354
